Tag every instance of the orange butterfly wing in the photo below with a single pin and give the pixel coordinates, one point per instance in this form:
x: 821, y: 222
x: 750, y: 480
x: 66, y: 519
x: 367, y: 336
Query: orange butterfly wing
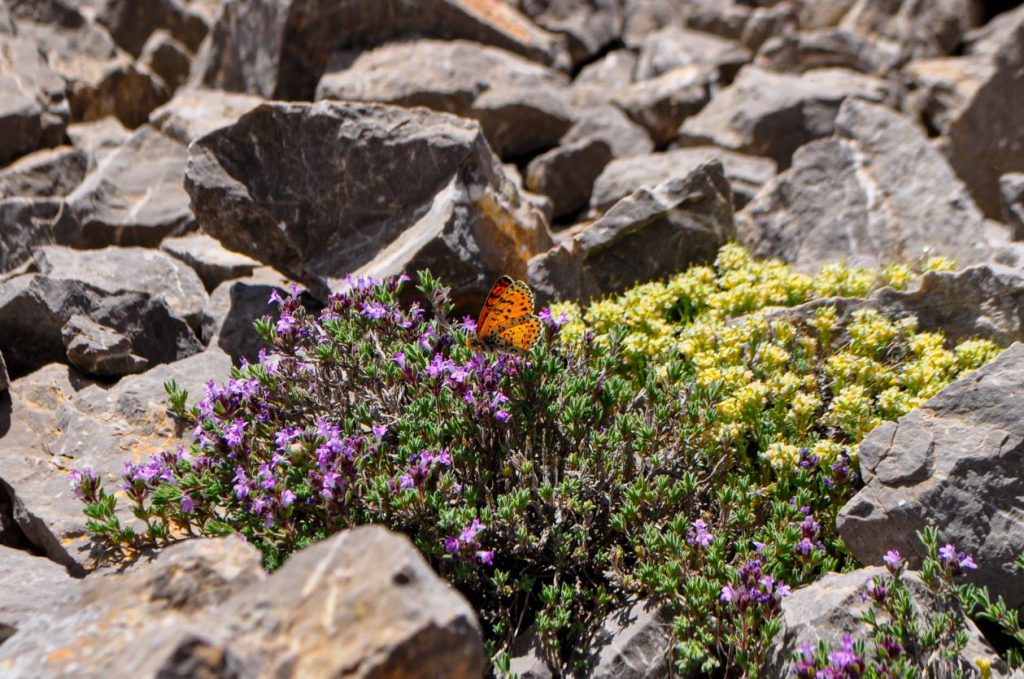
x: 508, y: 301
x: 499, y: 287
x: 519, y: 334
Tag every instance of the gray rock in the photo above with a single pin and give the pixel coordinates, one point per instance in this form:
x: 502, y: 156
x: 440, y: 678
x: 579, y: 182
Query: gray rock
x: 31, y: 585
x: 983, y: 301
x: 134, y: 197
x: 35, y: 307
x: 649, y: 234
x: 97, y: 350
x: 987, y: 140
x: 675, y: 46
x: 772, y: 114
x: 609, y: 124
x: 168, y: 58
x: 114, y: 269
x: 25, y: 224
x: 597, y: 82
x: 518, y: 102
x: 25, y: 466
x: 988, y: 39
x: 1011, y: 188
x: 954, y: 463
x: 194, y: 113
x: 98, y: 138
x: 44, y: 174
x: 588, y: 25
x: 132, y: 22
x: 623, y: 176
x: 875, y: 193
x: 527, y: 657
x: 980, y: 301
x: 643, y: 17
x: 1010, y: 255
x: 816, y: 15
x: 59, y: 422
x: 149, y: 622
x: 566, y: 174
x: 518, y: 121
x: 803, y: 51
x: 211, y: 261
x: 204, y: 609
x: 922, y: 30
x: 233, y: 308
x: 332, y: 188
x: 765, y: 22
x: 422, y: 628
x: 279, y: 49
x: 634, y: 643
x: 941, y: 88
x: 101, y: 79
x: 33, y: 107
x: 662, y: 103
x: 831, y: 607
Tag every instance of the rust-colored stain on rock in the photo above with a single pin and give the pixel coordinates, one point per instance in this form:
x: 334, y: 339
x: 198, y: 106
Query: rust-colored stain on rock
x: 502, y: 17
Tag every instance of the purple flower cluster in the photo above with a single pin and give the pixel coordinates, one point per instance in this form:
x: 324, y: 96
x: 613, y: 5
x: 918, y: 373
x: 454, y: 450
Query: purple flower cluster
x: 468, y: 542
x: 755, y: 589
x: 699, y: 535
x: 477, y: 381
x: 420, y: 466
x: 809, y: 530
x: 85, y: 484
x: 843, y: 663
x: 336, y: 459
x: 955, y: 563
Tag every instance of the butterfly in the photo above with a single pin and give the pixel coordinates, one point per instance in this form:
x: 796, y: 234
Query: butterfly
x: 507, y: 321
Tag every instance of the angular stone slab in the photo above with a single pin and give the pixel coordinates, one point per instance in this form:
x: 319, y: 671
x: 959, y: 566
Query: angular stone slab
x: 955, y: 463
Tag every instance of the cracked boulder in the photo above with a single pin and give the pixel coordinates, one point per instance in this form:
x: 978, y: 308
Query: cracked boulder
x: 333, y: 188
x: 874, y: 193
x: 955, y: 463
x: 649, y: 234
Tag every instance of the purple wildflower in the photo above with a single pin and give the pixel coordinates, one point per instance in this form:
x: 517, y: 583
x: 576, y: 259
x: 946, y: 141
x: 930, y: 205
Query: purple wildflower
x: 892, y: 560
x: 699, y: 535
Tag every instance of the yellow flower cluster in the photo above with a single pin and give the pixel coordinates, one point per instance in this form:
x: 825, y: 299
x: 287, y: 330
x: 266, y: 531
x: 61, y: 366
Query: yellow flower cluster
x: 789, y: 383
